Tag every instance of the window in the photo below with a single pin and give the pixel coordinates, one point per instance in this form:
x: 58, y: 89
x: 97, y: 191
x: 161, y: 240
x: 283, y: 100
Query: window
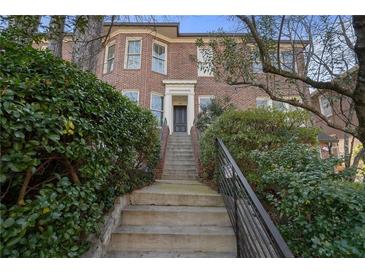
x: 157, y: 107
x: 159, y: 58
x: 277, y: 105
x: 287, y: 61
x: 132, y: 95
x: 133, y: 53
x: 109, y: 58
x: 280, y: 106
x: 325, y: 105
x: 256, y: 66
x: 273, y: 58
x: 204, y: 56
x: 263, y: 102
x: 204, y: 102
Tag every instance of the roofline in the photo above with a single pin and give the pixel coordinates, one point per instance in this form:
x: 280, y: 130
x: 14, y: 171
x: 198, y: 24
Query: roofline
x: 192, y: 34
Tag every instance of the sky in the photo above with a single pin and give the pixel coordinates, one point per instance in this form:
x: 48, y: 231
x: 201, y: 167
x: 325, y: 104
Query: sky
x: 206, y: 23
x: 192, y: 23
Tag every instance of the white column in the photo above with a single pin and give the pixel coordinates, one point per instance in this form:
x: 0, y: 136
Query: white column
x: 168, y: 111
x: 190, y: 110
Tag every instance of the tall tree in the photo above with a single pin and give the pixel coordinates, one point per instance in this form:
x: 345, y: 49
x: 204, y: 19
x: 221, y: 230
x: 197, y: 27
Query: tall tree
x: 23, y: 28
x: 56, y: 34
x: 87, y: 39
x: 331, y: 50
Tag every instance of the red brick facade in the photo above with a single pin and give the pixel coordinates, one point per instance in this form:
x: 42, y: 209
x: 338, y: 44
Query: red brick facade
x: 181, y: 65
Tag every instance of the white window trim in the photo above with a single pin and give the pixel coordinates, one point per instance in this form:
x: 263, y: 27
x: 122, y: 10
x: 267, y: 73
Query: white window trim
x: 163, y: 107
x: 270, y: 103
x: 264, y: 98
x: 273, y: 55
x: 106, y: 51
x: 165, y: 65
x: 204, y: 97
x: 200, y: 72
x: 127, y: 39
x: 322, y: 109
x: 295, y: 69
x: 132, y: 90
x: 256, y: 60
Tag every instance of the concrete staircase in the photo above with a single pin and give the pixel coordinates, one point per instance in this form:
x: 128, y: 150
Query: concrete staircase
x: 176, y: 216
x: 179, y: 161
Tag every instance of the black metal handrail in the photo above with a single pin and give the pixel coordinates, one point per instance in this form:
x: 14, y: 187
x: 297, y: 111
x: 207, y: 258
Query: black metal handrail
x: 256, y: 234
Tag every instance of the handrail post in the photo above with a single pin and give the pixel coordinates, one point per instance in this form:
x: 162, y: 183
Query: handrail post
x: 236, y: 225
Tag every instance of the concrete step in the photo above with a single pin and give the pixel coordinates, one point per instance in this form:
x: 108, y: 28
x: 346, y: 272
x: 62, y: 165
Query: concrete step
x: 175, y: 160
x: 178, y: 143
x: 180, y: 156
x: 179, y: 177
x: 169, y: 166
x: 179, y: 163
x: 179, y: 140
x: 182, y: 145
x: 176, y: 195
x: 176, y: 200
x: 179, y: 151
x: 181, y: 172
x: 175, y: 216
x: 178, y: 169
x: 172, y: 137
x: 152, y: 254
x: 180, y: 182
x: 173, y: 239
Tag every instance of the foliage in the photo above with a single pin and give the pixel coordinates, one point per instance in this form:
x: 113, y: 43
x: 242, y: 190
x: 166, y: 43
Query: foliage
x: 320, y: 212
x: 210, y: 113
x: 21, y: 28
x: 245, y: 131
x: 77, y: 138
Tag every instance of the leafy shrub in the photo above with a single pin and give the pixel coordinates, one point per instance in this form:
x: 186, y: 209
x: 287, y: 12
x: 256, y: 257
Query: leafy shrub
x: 320, y: 212
x: 73, y: 143
x: 245, y: 131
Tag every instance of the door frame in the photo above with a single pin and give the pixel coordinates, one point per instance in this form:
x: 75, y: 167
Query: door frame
x: 186, y: 117
x: 179, y: 88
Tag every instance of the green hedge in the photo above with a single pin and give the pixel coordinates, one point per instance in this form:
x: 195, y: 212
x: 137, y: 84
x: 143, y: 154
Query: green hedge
x: 319, y: 212
x: 245, y: 131
x: 78, y: 141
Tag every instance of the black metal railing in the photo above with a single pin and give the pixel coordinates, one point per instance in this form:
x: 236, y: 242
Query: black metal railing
x: 256, y: 234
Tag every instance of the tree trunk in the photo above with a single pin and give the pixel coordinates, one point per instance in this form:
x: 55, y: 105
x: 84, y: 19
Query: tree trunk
x: 87, y: 39
x: 359, y: 92
x: 346, y: 138
x: 55, y: 34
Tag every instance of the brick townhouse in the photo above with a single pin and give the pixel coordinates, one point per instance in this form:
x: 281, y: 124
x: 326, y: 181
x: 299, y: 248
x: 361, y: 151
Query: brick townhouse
x: 337, y: 110
x: 158, y: 67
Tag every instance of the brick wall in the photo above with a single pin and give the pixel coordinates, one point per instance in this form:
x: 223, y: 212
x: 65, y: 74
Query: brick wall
x: 180, y: 65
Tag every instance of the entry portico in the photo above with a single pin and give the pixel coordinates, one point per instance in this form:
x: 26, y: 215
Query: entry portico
x: 179, y: 93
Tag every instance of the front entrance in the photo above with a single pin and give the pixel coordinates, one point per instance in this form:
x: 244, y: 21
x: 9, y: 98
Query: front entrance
x: 180, y: 119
